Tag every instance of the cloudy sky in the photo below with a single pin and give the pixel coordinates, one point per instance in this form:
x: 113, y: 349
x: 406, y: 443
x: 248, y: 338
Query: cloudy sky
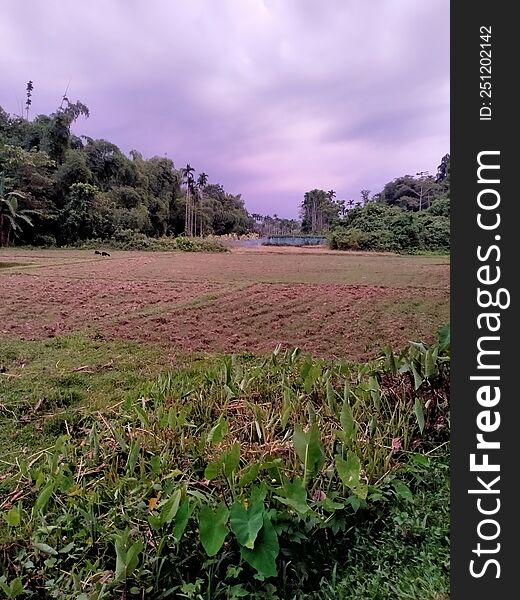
x: 270, y: 97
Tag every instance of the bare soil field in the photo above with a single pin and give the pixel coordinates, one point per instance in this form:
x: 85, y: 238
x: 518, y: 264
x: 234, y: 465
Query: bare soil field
x: 329, y: 303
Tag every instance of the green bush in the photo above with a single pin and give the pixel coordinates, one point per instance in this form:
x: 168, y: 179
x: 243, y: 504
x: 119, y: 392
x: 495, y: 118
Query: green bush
x: 46, y: 241
x: 434, y: 232
x: 350, y: 239
x: 384, y: 228
x: 127, y: 239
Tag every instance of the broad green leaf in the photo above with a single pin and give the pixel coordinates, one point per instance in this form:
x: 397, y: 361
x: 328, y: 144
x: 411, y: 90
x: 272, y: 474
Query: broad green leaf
x: 230, y: 459
x: 294, y: 495
x: 154, y: 522
x: 355, y: 502
x: 419, y: 414
x: 331, y: 506
x: 12, y: 517
x: 212, y: 470
x: 45, y: 548
x: 263, y: 556
x: 430, y: 365
x: 361, y: 490
x: 15, y: 588
x: 170, y: 508
x: 249, y: 474
x: 132, y: 556
x: 347, y: 422
x: 348, y: 470
x: 218, y: 431
x: 67, y: 549
x: 309, y: 449
x: 402, y: 489
x: 331, y: 396
x: 246, y: 523
x: 421, y: 460
x: 443, y: 337
x: 120, y: 543
x: 44, y: 496
x: 375, y: 391
x: 212, y: 528
x: 417, y: 378
x: 155, y: 464
x: 237, y: 591
x: 181, y: 519
x: 304, y: 371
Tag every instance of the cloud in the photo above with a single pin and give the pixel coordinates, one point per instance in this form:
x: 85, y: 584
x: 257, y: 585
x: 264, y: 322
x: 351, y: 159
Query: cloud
x: 270, y: 97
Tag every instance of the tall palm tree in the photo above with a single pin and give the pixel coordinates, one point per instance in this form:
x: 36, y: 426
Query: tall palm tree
x: 202, y: 181
x: 10, y: 214
x: 187, y: 174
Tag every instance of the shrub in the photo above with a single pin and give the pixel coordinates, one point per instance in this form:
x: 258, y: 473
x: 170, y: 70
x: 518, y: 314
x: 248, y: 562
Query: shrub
x: 47, y: 241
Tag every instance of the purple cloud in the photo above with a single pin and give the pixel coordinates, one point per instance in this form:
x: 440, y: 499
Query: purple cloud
x: 270, y: 97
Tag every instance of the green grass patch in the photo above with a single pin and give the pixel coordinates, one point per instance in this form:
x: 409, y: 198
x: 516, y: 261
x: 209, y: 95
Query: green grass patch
x: 46, y: 384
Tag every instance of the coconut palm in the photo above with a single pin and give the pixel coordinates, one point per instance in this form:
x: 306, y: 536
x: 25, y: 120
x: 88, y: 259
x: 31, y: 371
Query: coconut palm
x: 11, y: 216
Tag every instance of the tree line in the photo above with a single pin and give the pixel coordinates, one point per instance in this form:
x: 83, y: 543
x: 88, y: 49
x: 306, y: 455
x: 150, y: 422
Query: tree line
x: 57, y: 188
x: 411, y: 213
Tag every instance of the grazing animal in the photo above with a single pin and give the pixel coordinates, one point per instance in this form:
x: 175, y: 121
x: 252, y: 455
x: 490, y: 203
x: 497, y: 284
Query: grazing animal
x: 105, y: 254
x: 97, y: 252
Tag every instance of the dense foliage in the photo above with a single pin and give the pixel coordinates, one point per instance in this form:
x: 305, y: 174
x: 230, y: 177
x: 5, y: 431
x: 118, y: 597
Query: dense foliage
x: 57, y: 188
x: 247, y: 478
x: 411, y: 214
x: 60, y: 188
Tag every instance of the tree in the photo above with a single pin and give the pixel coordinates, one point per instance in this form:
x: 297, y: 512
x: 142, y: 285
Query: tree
x: 188, y: 178
x: 409, y: 192
x: 81, y: 217
x: 202, y: 181
x: 57, y: 136
x: 365, y: 196
x: 443, y: 172
x: 11, y: 216
x: 28, y: 100
x: 318, y: 211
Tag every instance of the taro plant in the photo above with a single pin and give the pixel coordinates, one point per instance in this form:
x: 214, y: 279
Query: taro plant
x: 236, y: 467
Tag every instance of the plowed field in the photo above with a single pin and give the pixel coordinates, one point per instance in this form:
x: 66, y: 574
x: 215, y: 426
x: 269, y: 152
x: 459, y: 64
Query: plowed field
x: 331, y: 304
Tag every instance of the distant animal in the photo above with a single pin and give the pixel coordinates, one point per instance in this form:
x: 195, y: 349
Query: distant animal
x: 97, y: 252
x: 105, y: 254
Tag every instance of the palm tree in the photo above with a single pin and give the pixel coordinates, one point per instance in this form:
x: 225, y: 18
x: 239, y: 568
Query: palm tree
x: 202, y: 181
x: 10, y: 214
x: 187, y: 174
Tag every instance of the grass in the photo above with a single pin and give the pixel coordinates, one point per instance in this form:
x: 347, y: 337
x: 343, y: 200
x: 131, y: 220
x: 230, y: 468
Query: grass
x: 94, y: 398
x: 46, y: 383
x: 405, y: 552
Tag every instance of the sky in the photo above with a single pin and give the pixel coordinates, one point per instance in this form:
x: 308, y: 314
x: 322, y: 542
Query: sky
x: 271, y: 98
